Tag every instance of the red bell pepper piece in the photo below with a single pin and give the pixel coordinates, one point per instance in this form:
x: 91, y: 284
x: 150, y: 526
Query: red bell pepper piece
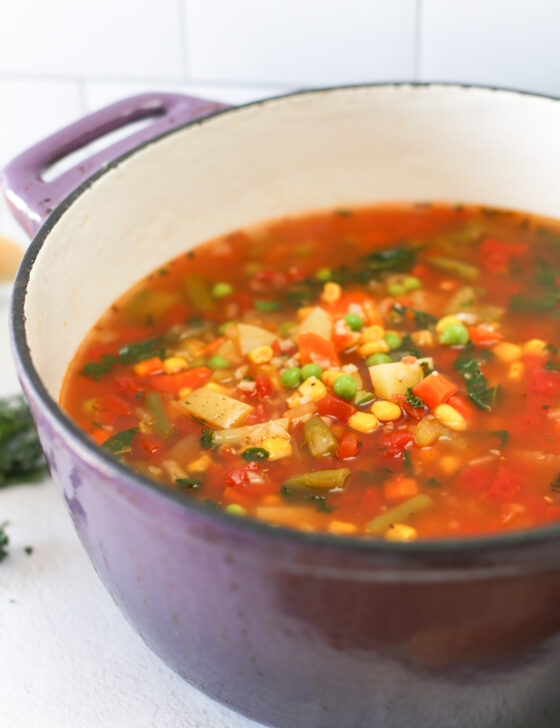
x: 339, y: 409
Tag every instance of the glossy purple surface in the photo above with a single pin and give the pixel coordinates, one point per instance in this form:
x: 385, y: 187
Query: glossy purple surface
x: 302, y: 630
x: 32, y: 199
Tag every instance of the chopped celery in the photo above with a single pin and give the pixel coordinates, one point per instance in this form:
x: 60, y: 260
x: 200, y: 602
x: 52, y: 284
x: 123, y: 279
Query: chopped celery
x: 399, y: 514
x: 319, y: 438
x: 319, y: 479
x: 154, y: 405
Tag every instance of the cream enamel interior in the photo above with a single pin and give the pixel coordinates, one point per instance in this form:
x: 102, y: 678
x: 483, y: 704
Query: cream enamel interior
x: 283, y: 156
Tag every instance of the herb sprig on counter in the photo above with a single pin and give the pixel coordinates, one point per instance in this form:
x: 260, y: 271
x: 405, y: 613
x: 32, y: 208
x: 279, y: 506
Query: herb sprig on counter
x: 21, y: 457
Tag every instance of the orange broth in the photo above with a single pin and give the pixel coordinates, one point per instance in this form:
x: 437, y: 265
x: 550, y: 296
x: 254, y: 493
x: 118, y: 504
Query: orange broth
x: 384, y: 372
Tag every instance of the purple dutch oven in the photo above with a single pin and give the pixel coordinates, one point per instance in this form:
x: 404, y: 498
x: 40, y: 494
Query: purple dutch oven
x: 293, y: 629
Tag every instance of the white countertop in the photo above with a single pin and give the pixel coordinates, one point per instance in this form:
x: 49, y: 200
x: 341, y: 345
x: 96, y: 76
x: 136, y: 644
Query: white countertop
x: 67, y: 655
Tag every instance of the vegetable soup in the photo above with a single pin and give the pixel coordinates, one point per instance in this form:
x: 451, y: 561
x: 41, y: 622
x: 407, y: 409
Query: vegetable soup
x: 380, y: 372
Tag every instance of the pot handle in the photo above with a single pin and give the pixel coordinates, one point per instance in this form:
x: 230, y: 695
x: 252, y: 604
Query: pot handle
x: 32, y: 199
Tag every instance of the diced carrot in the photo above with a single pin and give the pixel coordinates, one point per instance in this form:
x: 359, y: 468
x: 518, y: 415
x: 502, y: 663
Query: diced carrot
x: 483, y: 336
x: 213, y: 345
x: 100, y: 436
x: 348, y: 446
x: 174, y: 382
x: 400, y: 488
x: 148, y: 366
x: 315, y: 349
x: 434, y: 389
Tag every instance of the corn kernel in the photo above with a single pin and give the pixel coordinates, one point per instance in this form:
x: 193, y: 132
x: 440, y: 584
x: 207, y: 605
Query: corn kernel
x: 446, y: 321
x: 277, y: 447
x: 329, y: 376
x: 400, y: 532
x: 386, y: 411
x: 424, y: 337
x: 372, y: 333
x: 313, y: 388
x: 199, y: 465
x: 507, y: 352
x: 534, y: 347
x: 261, y: 355
x: 216, y: 387
x: 449, y: 416
x: 342, y: 527
x: 516, y: 370
x: 184, y: 392
x: 174, y: 364
x: 373, y: 347
x: 363, y: 422
x: 331, y: 292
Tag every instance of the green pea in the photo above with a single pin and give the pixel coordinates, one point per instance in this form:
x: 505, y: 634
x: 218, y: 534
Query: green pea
x: 235, y: 509
x: 395, y: 289
x: 221, y: 290
x: 291, y: 378
x: 453, y: 335
x: 393, y: 341
x: 222, y: 328
x: 354, y: 321
x: 218, y: 362
x: 411, y: 283
x: 345, y: 386
x: 374, y: 359
x: 267, y: 306
x: 311, y: 370
x: 323, y: 274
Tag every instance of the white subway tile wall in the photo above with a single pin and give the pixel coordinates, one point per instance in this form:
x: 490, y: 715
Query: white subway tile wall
x: 61, y: 59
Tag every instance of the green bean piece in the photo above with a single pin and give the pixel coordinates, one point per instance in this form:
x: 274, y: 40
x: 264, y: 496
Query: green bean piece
x: 322, y: 480
x: 319, y: 438
x: 198, y: 292
x: 399, y: 514
x: 154, y: 405
x: 463, y: 270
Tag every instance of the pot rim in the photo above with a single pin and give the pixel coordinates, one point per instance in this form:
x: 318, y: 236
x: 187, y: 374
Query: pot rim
x: 93, y: 453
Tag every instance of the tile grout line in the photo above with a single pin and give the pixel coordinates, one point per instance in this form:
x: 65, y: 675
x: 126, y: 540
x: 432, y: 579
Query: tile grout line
x: 417, y: 39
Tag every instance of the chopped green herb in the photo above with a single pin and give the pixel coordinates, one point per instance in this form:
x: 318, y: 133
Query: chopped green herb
x: 555, y: 485
x: 422, y: 319
x: 21, y: 457
x: 343, y: 213
x: 211, y: 504
x: 321, y: 503
x: 397, y: 259
x: 502, y: 435
x: 255, y: 453
x: 476, y: 382
x: 140, y: 394
x: 408, y: 466
x: 552, y: 366
x: 207, y: 439
x: 433, y: 482
x: 189, y: 483
x: 552, y: 349
x: 121, y: 442
x: 129, y: 354
x: 413, y: 400
x: 28, y: 550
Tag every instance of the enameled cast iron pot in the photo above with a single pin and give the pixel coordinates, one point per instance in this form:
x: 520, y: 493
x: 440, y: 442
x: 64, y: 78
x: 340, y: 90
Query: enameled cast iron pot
x: 293, y: 629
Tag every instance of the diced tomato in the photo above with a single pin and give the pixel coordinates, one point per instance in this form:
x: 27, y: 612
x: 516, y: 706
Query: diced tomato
x: 421, y: 270
x: 258, y: 415
x: 237, y: 476
x: 544, y: 381
x: 396, y: 443
x: 475, y: 478
x: 348, y: 446
x: 496, y: 254
x: 416, y: 412
x: 130, y: 384
x: 331, y: 406
x: 240, y: 478
x: 177, y: 314
x: 265, y: 388
x: 269, y: 277
x: 100, y: 436
x: 505, y: 484
x: 150, y: 444
x: 400, y: 488
x: 434, y: 390
x: 276, y: 348
x: 314, y: 349
x: 484, y: 336
x: 174, y: 382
